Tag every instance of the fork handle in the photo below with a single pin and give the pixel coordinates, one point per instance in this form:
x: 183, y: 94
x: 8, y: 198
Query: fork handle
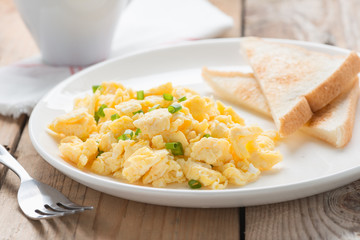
x: 13, y: 164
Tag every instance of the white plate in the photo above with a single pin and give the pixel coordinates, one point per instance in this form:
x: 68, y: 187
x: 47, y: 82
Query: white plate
x: 309, y: 166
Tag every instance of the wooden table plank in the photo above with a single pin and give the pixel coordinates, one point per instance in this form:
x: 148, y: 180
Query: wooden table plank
x: 112, y: 217
x: 10, y: 131
x: 334, y: 214
x: 232, y: 8
x: 332, y: 22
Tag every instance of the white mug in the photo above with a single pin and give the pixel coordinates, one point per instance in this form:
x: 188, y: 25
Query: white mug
x: 72, y: 32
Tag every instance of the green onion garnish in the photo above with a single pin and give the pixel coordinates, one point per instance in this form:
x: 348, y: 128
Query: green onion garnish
x: 137, y: 131
x: 100, y: 113
x: 114, y: 116
x: 182, y: 99
x: 128, y: 134
x: 95, y: 87
x: 99, y: 152
x: 101, y: 110
x: 194, y: 184
x: 154, y: 107
x: 168, y: 97
x: 123, y: 137
x: 206, y: 135
x: 175, y: 147
x: 175, y: 107
x: 140, y: 95
x: 140, y: 111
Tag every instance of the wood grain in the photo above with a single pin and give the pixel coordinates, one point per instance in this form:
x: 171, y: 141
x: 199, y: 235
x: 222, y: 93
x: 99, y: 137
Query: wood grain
x: 333, y: 22
x: 334, y: 214
x: 10, y: 130
x: 112, y: 218
x: 232, y: 8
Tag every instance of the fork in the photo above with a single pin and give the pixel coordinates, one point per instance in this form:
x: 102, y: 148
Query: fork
x: 36, y: 199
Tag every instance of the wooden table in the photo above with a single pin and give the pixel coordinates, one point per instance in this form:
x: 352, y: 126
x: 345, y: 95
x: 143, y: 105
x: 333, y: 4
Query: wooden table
x: 331, y: 215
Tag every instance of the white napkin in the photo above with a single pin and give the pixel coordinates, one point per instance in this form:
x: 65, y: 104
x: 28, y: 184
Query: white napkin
x: 144, y: 24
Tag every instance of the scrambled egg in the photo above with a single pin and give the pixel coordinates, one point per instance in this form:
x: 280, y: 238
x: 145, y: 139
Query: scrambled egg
x: 163, y: 135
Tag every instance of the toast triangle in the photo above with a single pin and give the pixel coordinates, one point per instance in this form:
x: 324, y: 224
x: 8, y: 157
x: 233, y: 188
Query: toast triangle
x: 297, y: 82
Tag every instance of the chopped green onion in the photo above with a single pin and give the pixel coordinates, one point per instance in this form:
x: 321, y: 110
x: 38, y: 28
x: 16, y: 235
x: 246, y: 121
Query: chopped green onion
x: 137, y: 131
x: 168, y: 97
x: 175, y: 107
x: 101, y: 110
x: 128, y: 134
x: 99, y: 152
x: 140, y: 111
x: 194, y: 184
x: 114, y: 116
x: 206, y: 135
x: 100, y: 113
x: 175, y: 147
x: 123, y: 137
x: 182, y: 99
x: 140, y: 95
x: 95, y: 87
x: 171, y: 145
x: 154, y: 107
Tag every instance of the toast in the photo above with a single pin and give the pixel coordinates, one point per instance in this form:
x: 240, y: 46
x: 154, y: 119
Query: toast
x: 333, y: 123
x: 297, y: 82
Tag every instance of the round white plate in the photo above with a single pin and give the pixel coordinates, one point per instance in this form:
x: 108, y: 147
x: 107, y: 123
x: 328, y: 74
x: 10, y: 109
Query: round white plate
x: 309, y: 166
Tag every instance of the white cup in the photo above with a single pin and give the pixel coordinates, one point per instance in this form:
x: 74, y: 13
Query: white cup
x: 72, y: 32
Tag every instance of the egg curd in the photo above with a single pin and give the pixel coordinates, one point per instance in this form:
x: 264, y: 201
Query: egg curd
x: 161, y: 136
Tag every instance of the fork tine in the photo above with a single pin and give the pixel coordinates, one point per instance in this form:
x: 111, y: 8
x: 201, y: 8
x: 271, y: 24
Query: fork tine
x: 73, y: 206
x: 56, y: 208
x: 44, y: 211
x: 56, y: 213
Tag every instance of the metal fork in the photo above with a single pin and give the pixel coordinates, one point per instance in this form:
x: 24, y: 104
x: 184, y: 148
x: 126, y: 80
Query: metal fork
x: 38, y: 200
